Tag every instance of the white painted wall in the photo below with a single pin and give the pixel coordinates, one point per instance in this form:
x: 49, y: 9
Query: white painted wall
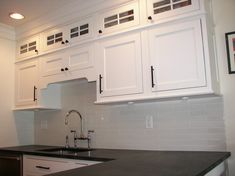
x: 15, y: 128
x: 224, y: 12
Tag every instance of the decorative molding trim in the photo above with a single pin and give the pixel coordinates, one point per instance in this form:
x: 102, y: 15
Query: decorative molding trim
x: 68, y: 13
x: 7, y: 32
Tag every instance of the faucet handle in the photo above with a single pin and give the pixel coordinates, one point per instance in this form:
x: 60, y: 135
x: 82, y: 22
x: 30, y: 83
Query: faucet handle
x: 89, y: 138
x: 75, y: 138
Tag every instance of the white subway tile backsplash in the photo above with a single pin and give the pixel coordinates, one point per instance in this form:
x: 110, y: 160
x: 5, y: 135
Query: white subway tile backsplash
x: 194, y: 124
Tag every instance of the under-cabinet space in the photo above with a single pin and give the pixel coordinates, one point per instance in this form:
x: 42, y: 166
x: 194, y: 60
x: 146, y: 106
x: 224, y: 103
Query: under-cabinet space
x: 74, y: 63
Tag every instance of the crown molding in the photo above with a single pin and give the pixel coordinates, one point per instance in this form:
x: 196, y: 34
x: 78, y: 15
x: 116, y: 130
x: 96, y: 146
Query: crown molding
x: 7, y: 32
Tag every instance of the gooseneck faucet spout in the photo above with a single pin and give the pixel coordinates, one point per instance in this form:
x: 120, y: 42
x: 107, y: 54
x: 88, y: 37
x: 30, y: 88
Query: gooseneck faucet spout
x: 81, y: 120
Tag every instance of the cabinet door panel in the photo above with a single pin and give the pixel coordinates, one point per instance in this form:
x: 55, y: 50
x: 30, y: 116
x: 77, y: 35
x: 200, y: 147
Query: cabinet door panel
x: 28, y: 47
x: 80, y: 58
x: 26, y: 79
x: 177, y: 56
x: 119, y: 18
x: 161, y: 9
x: 53, y: 39
x: 80, y: 31
x: 52, y: 64
x: 121, y: 69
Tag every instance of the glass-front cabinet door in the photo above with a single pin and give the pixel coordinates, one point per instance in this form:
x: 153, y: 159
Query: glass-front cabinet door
x: 162, y: 9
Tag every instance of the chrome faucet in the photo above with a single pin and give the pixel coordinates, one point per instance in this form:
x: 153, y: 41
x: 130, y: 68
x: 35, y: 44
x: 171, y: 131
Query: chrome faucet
x: 81, y: 120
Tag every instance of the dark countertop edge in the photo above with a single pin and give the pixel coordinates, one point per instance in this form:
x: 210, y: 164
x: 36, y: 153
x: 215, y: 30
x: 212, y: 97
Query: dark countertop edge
x: 35, y: 151
x: 215, y: 164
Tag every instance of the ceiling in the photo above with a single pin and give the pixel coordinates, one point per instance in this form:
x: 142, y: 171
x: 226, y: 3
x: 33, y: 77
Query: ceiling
x: 31, y: 9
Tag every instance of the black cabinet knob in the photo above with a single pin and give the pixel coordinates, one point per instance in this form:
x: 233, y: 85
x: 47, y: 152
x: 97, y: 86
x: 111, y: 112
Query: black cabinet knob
x: 66, y: 41
x: 66, y: 69
x: 62, y: 43
x: 100, y: 31
x: 36, y: 51
x: 62, y: 69
x: 150, y: 18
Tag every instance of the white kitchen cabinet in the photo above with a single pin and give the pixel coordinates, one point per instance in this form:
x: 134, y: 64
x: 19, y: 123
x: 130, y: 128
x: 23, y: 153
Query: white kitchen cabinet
x: 40, y: 165
x: 74, y: 63
x: 28, y: 47
x: 66, y: 35
x: 26, y: 83
x: 118, y: 18
x: 28, y: 93
x: 177, y: 56
x: 80, y: 30
x: 119, y: 67
x: 163, y: 9
x: 54, y: 39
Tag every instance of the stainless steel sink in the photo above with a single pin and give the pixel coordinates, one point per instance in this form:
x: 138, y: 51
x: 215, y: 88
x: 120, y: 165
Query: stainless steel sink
x: 66, y: 151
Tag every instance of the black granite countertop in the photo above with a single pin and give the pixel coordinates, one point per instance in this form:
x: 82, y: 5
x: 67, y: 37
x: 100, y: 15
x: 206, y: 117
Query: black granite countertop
x: 134, y: 162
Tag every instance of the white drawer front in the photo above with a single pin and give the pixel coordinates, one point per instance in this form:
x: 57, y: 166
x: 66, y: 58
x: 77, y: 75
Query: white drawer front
x: 34, y: 165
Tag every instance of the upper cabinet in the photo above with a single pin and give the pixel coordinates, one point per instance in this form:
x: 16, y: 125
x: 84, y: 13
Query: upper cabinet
x: 54, y: 39
x: 74, y: 63
x: 26, y: 77
x: 117, y: 19
x: 177, y: 66
x: 162, y: 9
x: 136, y: 50
x: 28, y: 47
x: 119, y: 67
x: 64, y: 36
x: 80, y: 30
x: 28, y: 92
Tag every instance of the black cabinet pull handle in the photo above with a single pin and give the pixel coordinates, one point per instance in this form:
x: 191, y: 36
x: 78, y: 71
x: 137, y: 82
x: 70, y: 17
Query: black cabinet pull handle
x: 42, y: 167
x: 62, y: 69
x: 100, y: 83
x: 34, y: 93
x: 66, y: 69
x: 150, y: 18
x: 100, y: 31
x: 152, y: 70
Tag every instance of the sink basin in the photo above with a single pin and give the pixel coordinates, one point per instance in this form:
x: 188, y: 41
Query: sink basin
x: 66, y: 151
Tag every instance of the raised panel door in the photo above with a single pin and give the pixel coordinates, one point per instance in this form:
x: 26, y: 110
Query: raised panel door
x: 177, y: 57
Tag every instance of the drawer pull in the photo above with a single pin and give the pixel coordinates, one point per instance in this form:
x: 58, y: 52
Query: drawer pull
x: 42, y: 167
x: 152, y: 79
x: 100, y: 84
